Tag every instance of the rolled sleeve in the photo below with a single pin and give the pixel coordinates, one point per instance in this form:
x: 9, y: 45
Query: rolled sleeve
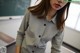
x: 57, y: 42
x: 22, y: 28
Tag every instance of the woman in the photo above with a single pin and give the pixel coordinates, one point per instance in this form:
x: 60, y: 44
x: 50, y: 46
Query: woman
x: 44, y: 22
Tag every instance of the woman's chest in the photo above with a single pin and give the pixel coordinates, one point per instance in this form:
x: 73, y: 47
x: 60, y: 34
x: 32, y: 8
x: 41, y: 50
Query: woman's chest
x: 42, y: 27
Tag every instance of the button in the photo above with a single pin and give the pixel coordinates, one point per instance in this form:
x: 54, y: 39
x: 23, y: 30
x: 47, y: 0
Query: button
x: 39, y: 35
x: 35, y: 46
x: 44, y: 24
x: 32, y: 51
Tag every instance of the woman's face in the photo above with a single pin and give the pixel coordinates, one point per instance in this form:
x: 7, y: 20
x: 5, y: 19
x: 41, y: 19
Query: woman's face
x: 57, y: 4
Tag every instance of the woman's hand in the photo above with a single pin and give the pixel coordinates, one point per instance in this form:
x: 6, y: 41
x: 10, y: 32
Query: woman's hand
x: 17, y: 49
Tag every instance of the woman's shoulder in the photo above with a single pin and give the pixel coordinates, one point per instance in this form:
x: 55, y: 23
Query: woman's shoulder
x: 28, y: 13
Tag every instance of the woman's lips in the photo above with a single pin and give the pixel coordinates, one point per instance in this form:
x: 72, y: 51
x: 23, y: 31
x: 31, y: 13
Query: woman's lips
x: 57, y: 5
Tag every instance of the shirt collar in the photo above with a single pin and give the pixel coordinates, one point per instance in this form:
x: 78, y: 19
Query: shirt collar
x: 53, y: 20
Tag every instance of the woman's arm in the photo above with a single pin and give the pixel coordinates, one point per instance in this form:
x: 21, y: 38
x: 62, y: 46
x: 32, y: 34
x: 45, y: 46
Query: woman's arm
x: 21, y: 31
x: 57, y: 42
x: 17, y: 49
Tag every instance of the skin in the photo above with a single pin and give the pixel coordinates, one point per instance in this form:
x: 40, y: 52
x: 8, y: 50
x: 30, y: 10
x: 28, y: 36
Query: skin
x: 62, y: 3
x: 54, y: 7
x: 17, y: 49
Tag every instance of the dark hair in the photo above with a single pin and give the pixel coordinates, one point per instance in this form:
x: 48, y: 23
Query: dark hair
x: 43, y: 6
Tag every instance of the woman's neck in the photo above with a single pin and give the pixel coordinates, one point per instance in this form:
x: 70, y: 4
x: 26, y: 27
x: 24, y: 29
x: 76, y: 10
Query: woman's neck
x: 50, y: 14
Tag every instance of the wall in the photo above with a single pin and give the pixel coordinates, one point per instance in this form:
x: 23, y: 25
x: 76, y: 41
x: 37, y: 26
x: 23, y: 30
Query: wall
x: 72, y: 37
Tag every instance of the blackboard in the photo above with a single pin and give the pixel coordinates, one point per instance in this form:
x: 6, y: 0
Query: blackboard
x: 13, y: 7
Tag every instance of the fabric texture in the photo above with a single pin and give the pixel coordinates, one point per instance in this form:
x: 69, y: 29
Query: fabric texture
x: 36, y: 33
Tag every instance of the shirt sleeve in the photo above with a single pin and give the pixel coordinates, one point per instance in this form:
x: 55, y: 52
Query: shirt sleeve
x: 56, y: 42
x: 22, y: 28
